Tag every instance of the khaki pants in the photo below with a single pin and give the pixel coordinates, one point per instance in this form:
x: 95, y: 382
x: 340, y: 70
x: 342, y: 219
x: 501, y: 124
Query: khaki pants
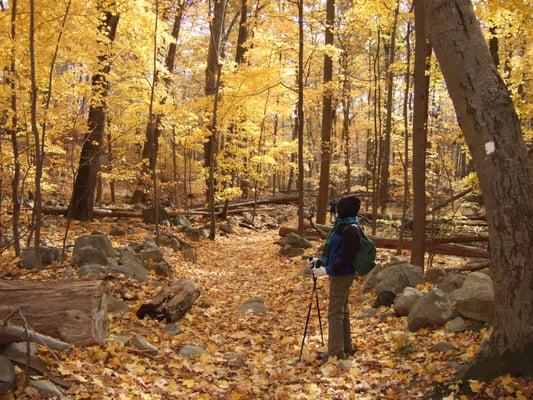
x: 340, y: 337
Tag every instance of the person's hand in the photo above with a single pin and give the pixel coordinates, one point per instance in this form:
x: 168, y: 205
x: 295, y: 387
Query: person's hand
x: 313, y: 263
x: 319, y: 272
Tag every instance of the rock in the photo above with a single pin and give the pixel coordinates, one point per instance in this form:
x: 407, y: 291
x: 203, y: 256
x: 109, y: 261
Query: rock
x: 117, y: 230
x: 475, y: 299
x: 89, y: 255
x: 150, y: 251
x: 46, y: 388
x: 182, y: 221
x: 49, y: 254
x: 345, y: 365
x: 96, y: 240
x: 197, y: 234
x: 162, y: 269
x: 295, y: 240
x: 291, y: 252
x: 474, y: 326
x: 164, y: 240
x: 172, y: 329
x: 140, y: 343
x: 396, y: 278
x: 432, y: 310
x: 235, y: 361
x: 189, y: 255
x: 385, y: 298
x: 443, y: 347
x: 117, y: 306
x: 135, y: 246
x: 132, y: 265
x: 175, y: 244
x: 88, y: 270
x: 451, y: 282
x: 19, y: 349
x: 149, y: 214
x: 368, y: 313
x: 69, y: 272
x: 7, y: 375
x: 455, y: 325
x: 190, y: 350
x: 122, y: 339
x: 405, y: 301
x: 396, y: 259
x: 248, y: 218
x: 433, y: 275
x: 226, y: 228
x: 255, y: 306
x: 371, y: 279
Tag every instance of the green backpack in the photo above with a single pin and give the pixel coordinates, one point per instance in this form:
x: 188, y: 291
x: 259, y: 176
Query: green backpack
x: 365, y: 260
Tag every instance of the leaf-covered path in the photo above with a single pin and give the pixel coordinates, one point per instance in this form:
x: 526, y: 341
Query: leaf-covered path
x: 254, y: 356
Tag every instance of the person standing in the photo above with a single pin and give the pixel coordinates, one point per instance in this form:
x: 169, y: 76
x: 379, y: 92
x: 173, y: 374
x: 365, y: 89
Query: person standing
x: 338, y: 262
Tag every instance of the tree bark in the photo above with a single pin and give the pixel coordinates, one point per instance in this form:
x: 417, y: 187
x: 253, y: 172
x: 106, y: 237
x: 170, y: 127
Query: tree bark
x: 386, y: 145
x: 420, y: 117
x: 300, y: 113
x: 73, y: 311
x: 490, y: 124
x: 327, y: 111
x: 82, y: 201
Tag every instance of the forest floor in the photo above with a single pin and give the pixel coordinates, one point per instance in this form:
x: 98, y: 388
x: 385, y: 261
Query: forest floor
x: 390, y: 362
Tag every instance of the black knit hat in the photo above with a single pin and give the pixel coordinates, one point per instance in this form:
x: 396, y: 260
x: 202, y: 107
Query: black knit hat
x: 348, y: 206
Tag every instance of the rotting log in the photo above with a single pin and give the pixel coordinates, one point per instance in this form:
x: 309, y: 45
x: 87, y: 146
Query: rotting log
x: 446, y: 248
x: 70, y: 310
x: 172, y: 303
x: 470, y: 267
x: 14, y: 333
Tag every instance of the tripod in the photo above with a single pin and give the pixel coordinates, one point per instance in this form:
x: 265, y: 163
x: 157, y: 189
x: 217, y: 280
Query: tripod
x: 315, y: 295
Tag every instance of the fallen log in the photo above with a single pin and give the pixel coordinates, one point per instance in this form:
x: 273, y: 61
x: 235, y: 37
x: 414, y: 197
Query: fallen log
x: 268, y: 200
x: 172, y: 303
x: 14, y: 333
x: 446, y: 249
x: 461, y: 239
x: 71, y: 311
x: 470, y: 267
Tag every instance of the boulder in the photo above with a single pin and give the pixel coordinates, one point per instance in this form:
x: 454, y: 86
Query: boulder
x: 131, y: 265
x: 197, y: 234
x: 405, y: 301
x: 451, y: 281
x: 295, y: 240
x: 69, y: 272
x: 475, y: 299
x: 371, y: 279
x: 444, y: 347
x: 162, y: 269
x: 248, y: 218
x: 291, y: 252
x: 455, y: 325
x: 88, y: 270
x: 235, y: 361
x: 255, y: 306
x: 150, y: 251
x: 89, y: 255
x: 175, y: 244
x: 18, y: 349
x: 172, y: 329
x: 181, y: 221
x: 396, y: 278
x: 7, y: 375
x: 149, y: 214
x: 96, y: 240
x: 47, y: 389
x: 432, y: 310
x: 117, y: 306
x: 140, y: 343
x: 433, y: 275
x: 190, y: 350
x: 49, y: 254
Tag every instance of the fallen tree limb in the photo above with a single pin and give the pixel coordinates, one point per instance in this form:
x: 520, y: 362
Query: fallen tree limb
x: 470, y: 267
x: 446, y: 249
x: 70, y: 310
x: 268, y: 200
x: 461, y: 239
x: 13, y: 333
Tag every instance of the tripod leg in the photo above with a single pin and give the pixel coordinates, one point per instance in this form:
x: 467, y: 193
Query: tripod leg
x: 307, y: 321
x: 319, y: 318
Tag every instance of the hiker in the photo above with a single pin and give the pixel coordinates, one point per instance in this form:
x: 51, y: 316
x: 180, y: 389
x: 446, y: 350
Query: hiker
x: 337, y: 261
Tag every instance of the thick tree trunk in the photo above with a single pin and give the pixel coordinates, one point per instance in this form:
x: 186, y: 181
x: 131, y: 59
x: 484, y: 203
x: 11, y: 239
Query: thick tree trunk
x: 73, y: 311
x: 489, y: 122
x: 300, y: 113
x: 82, y: 201
x: 420, y: 117
x: 327, y: 111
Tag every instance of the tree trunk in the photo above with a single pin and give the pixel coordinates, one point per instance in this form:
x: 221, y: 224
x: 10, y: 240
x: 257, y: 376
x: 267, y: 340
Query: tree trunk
x: 243, y: 34
x: 385, y: 148
x: 327, y: 111
x: 490, y: 124
x: 420, y: 117
x: 13, y: 132
x: 73, y: 311
x: 300, y: 118
x: 82, y: 201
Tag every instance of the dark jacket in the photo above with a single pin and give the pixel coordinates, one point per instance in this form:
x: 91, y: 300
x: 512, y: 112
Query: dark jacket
x: 343, y: 249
